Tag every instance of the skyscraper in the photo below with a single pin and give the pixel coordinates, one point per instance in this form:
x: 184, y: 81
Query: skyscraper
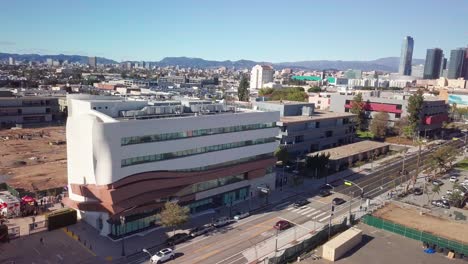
x: 406, y: 56
x: 92, y: 62
x: 465, y: 65
x: 433, y: 63
x: 443, y: 66
x: 455, y: 65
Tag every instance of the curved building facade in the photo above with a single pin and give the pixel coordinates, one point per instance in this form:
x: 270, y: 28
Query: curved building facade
x: 130, y: 157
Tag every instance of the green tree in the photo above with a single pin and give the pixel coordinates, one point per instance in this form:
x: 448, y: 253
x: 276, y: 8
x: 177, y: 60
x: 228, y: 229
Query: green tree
x: 442, y: 158
x: 314, y: 89
x: 379, y: 124
x: 414, y: 107
x: 243, y: 90
x: 265, y: 91
x: 281, y: 153
x: 357, y: 108
x: 173, y: 215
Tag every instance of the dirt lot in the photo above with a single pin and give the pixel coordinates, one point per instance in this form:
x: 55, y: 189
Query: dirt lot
x: 410, y: 217
x: 28, y: 161
x: 399, y: 140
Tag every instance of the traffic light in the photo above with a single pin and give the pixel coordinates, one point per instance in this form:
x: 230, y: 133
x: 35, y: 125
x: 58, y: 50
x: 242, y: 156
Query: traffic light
x: 347, y: 183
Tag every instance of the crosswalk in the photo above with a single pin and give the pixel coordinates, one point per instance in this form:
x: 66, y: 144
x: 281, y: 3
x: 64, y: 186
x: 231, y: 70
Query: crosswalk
x: 309, y: 212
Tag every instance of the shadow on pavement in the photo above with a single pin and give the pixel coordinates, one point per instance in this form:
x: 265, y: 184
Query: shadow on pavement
x: 365, y: 239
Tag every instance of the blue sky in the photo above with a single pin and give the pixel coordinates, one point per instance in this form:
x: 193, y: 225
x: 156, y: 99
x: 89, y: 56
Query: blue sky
x: 274, y: 31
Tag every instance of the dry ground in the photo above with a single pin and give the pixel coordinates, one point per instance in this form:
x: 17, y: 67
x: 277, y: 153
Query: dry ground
x: 411, y: 217
x: 31, y: 162
x: 399, y: 140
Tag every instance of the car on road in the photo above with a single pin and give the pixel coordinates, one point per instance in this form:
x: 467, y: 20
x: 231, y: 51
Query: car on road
x: 437, y: 182
x: 453, y: 179
x: 163, y: 255
x: 177, y: 239
x: 282, y: 225
x: 300, y: 203
x: 222, y: 221
x: 201, y: 230
x: 338, y: 201
x: 241, y: 215
x: 326, y: 187
x: 417, y: 191
x: 324, y: 193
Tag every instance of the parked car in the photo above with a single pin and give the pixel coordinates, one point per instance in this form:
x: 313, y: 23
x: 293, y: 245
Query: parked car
x: 222, y: 221
x: 441, y: 203
x: 453, y: 179
x: 300, y: 203
x: 241, y: 215
x: 324, y: 192
x: 163, y: 255
x: 201, y: 230
x: 437, y: 182
x: 338, y: 201
x: 177, y: 239
x: 282, y: 225
x: 417, y: 191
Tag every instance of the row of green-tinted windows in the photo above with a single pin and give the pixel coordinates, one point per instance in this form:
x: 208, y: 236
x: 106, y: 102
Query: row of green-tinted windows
x: 192, y: 133
x: 195, y: 151
x: 228, y: 163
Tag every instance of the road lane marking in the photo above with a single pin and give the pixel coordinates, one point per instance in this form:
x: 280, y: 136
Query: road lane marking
x: 290, y: 208
x: 262, y: 224
x: 317, y: 216
x: 207, y: 255
x: 314, y: 213
x: 307, y: 211
x: 325, y: 218
x: 236, y: 260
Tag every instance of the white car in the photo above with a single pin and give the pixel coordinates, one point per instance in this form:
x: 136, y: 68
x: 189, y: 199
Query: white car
x: 241, y: 215
x: 453, y: 179
x: 163, y: 255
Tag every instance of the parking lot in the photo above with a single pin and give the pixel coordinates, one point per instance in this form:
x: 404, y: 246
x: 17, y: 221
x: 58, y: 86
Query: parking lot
x: 424, y: 200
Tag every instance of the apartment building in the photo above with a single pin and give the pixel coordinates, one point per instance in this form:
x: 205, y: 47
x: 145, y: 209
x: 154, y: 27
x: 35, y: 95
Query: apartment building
x: 127, y: 158
x: 28, y: 111
x: 304, y: 130
x: 433, y: 114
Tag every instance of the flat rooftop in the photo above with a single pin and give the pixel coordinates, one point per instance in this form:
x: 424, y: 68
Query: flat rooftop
x: 285, y: 102
x: 351, y: 149
x: 316, y: 116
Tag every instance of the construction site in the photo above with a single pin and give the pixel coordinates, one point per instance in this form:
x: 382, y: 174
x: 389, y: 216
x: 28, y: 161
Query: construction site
x: 33, y: 159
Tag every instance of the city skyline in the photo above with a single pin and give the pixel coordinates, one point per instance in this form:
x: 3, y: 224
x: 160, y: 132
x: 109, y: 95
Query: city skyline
x: 151, y: 31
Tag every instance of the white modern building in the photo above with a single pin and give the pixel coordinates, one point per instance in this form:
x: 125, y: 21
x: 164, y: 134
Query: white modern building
x: 260, y: 75
x: 127, y: 158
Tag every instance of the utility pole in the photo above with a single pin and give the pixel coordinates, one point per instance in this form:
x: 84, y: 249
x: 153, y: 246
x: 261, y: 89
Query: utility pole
x: 417, y: 164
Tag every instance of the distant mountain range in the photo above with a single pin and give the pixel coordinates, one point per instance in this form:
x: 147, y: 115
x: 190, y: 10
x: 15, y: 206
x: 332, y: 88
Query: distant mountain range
x: 62, y: 57
x: 389, y: 64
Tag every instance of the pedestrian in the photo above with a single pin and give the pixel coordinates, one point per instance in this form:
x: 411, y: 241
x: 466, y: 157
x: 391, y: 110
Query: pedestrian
x: 62, y: 204
x: 41, y: 240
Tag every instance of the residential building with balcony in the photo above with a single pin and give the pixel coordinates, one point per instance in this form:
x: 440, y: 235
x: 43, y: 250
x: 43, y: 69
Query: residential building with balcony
x: 127, y: 158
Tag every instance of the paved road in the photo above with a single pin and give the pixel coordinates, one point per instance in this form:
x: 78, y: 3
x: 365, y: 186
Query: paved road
x: 387, y: 177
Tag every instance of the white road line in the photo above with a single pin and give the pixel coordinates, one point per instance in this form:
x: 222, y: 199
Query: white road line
x: 325, y: 218
x: 296, y: 210
x: 314, y: 213
x: 317, y: 216
x: 290, y: 208
x: 236, y: 259
x: 307, y: 211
